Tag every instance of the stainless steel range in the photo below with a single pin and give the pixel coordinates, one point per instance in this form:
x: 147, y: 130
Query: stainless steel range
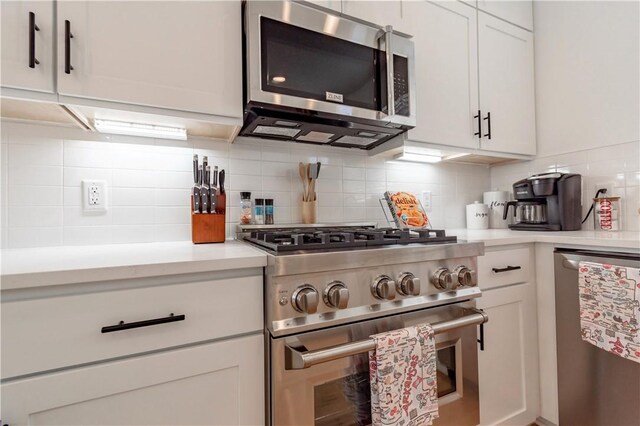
x: 327, y: 289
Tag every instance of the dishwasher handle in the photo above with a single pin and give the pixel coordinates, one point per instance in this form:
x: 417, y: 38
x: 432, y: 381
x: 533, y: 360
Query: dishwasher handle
x: 571, y: 264
x: 298, y: 360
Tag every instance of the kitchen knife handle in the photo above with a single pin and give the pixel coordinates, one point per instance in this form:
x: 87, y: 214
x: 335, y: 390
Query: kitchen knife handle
x: 67, y: 47
x: 488, y: 118
x: 479, y: 118
x: 146, y: 323
x: 32, y: 40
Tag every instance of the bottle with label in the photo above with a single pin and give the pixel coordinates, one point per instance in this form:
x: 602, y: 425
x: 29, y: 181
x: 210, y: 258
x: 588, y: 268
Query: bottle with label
x: 268, y: 211
x: 259, y: 211
x: 245, y: 208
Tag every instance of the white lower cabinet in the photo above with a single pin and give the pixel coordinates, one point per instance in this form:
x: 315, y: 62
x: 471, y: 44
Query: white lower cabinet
x: 219, y: 383
x: 508, y: 366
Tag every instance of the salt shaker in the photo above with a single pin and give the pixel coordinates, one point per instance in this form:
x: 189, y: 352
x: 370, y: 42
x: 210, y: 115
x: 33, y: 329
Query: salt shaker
x: 259, y: 211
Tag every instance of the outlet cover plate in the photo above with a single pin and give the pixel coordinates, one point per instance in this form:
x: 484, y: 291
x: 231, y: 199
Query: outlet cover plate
x: 94, y: 195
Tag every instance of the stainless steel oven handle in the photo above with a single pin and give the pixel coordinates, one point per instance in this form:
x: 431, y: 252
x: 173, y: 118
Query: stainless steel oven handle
x: 391, y: 96
x: 571, y: 264
x: 297, y: 360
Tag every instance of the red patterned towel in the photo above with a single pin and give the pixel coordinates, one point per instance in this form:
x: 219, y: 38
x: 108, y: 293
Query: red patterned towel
x: 610, y: 308
x: 403, y: 377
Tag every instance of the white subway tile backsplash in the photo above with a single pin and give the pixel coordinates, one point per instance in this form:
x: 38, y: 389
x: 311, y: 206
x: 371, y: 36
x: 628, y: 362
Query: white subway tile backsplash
x: 123, y: 178
x: 35, y: 216
x: 133, y: 197
x: 35, y: 175
x: 73, y: 176
x: 86, y: 235
x: 75, y: 216
x: 23, y: 155
x: 353, y: 186
x: 23, y: 195
x: 29, y: 236
x: 149, y: 184
x: 353, y: 173
x: 132, y: 215
x: 87, y: 157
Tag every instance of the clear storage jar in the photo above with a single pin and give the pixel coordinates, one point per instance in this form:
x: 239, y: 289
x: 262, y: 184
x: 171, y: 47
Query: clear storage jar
x: 607, y: 214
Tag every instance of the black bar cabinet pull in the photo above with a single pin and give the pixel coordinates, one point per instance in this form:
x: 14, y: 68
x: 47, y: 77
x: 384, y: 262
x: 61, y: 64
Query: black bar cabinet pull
x: 146, y: 323
x: 32, y: 40
x: 481, y: 339
x: 507, y: 269
x: 488, y: 118
x: 67, y: 47
x: 479, y: 132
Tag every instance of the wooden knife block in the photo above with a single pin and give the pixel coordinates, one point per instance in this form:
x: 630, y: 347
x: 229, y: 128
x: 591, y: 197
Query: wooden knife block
x: 207, y: 227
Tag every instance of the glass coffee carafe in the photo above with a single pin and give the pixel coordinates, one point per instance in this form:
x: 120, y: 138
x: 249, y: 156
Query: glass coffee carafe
x: 528, y: 211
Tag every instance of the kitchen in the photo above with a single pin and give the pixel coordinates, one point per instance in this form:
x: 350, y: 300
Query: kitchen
x: 111, y: 315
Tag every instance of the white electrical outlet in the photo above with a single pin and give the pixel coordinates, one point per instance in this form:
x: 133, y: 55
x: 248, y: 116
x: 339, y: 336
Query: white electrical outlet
x: 426, y: 200
x: 94, y: 195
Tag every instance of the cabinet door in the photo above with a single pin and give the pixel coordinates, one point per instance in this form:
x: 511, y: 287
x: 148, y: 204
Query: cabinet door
x: 508, y: 366
x: 16, y: 51
x: 506, y: 86
x: 178, y: 55
x: 519, y: 12
x: 377, y: 12
x: 214, y: 384
x: 445, y: 37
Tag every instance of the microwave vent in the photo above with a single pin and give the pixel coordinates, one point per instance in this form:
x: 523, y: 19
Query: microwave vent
x: 276, y: 131
x: 318, y: 137
x: 356, y: 140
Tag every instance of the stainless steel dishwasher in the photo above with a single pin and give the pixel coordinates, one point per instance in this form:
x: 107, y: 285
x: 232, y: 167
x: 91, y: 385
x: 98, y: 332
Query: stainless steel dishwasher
x: 594, y: 387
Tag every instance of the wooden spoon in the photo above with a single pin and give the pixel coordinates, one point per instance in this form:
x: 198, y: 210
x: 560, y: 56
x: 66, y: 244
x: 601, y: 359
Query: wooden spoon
x: 304, y: 177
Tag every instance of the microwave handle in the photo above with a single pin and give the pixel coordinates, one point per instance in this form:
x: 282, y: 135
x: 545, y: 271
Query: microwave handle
x: 298, y: 360
x: 391, y: 96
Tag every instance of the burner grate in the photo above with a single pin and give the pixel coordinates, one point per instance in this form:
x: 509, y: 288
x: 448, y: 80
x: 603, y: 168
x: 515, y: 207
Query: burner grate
x: 341, y: 238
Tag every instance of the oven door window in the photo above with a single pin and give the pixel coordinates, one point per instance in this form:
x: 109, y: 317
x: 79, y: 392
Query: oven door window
x: 306, y: 64
x: 347, y: 401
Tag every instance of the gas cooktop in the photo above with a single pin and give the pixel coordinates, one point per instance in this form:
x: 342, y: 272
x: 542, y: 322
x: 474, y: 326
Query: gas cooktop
x: 327, y: 239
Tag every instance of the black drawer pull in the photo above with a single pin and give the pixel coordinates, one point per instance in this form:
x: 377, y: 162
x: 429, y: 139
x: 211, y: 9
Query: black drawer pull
x: 146, y: 323
x: 479, y: 132
x: 67, y: 47
x: 32, y: 40
x: 507, y: 269
x: 488, y: 118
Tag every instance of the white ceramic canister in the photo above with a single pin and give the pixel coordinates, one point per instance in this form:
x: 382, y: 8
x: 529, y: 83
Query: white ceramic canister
x: 496, y: 200
x: 477, y: 216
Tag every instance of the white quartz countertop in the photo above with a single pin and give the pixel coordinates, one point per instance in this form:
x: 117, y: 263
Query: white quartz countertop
x: 498, y: 237
x: 35, y: 267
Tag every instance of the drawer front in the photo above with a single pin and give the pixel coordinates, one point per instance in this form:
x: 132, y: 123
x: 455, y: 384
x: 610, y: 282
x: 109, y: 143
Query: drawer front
x: 54, y: 332
x: 504, y: 267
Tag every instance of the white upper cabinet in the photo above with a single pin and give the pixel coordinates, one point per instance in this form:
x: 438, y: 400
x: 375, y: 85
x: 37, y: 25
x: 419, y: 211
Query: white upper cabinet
x: 445, y: 36
x: 506, y: 86
x: 381, y: 13
x: 183, y: 56
x: 27, y: 45
x: 517, y: 12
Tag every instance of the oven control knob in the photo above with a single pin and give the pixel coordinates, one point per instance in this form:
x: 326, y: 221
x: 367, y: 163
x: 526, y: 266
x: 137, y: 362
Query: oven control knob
x: 383, y: 288
x: 408, y: 284
x: 442, y: 279
x: 305, y: 299
x: 465, y: 277
x: 336, y: 295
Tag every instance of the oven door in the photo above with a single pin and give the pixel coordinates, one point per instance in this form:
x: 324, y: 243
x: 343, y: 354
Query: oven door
x: 304, y: 58
x: 337, y: 392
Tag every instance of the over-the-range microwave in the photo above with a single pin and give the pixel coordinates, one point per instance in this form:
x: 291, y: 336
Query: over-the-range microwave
x: 314, y: 76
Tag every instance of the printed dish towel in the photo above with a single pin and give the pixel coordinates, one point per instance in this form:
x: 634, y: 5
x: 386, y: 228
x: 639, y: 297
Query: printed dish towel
x: 402, y: 372
x: 610, y: 308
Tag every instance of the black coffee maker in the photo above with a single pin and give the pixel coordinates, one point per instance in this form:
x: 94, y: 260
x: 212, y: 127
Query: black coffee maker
x: 547, y: 202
